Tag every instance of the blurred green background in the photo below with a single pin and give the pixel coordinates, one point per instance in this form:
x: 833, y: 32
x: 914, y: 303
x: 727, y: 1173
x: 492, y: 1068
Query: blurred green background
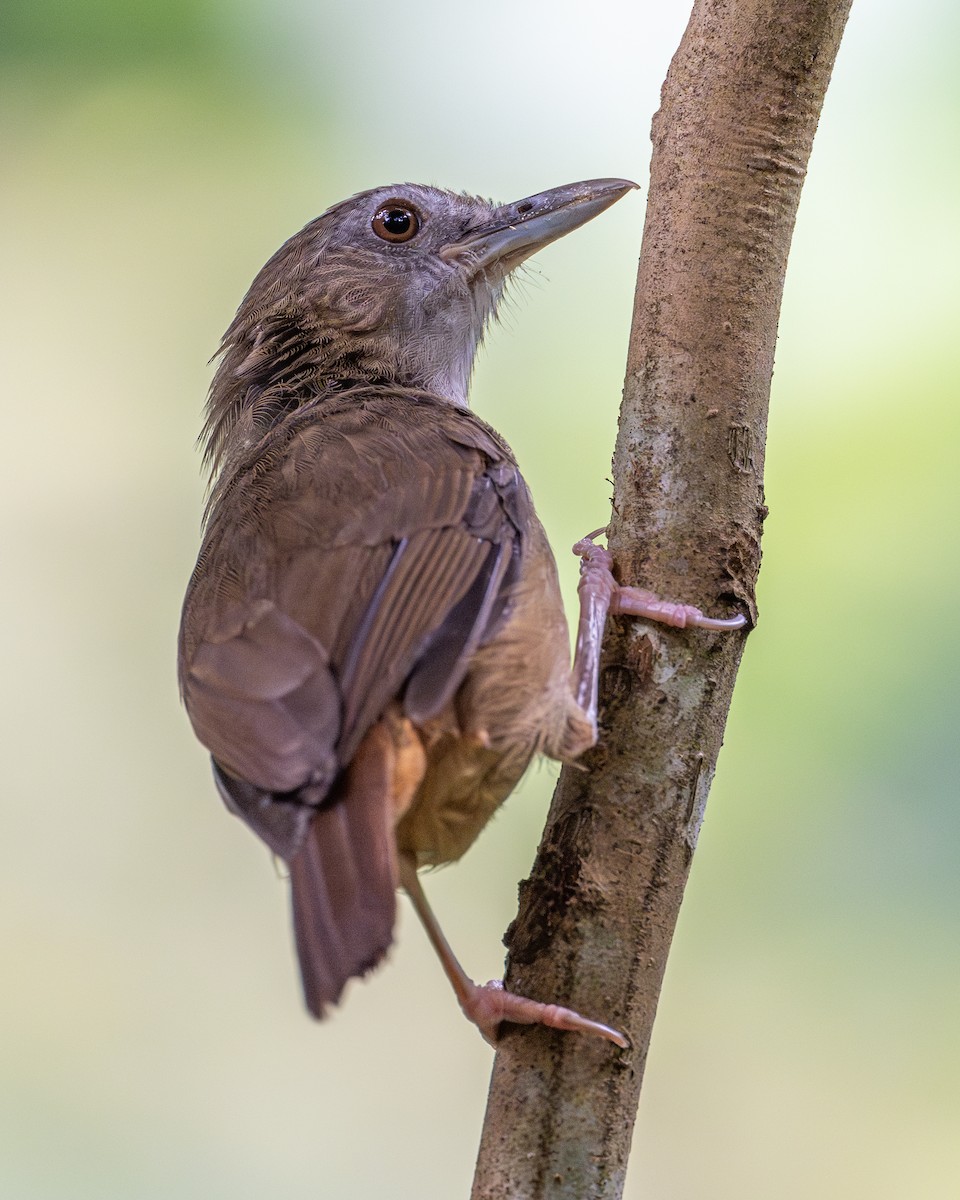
x: 152, y: 1040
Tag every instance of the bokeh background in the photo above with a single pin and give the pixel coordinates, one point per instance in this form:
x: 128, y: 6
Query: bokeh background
x: 152, y: 1041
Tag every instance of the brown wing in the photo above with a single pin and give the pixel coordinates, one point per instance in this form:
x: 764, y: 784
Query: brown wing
x: 359, y: 556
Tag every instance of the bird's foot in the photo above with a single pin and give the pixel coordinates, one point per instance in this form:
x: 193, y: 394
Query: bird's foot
x: 491, y: 1004
x: 596, y: 576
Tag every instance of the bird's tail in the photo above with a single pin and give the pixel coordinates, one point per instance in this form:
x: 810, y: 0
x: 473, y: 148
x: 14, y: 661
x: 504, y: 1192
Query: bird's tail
x: 344, y: 877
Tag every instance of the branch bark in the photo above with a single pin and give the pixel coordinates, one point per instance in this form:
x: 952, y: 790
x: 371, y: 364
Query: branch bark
x: 731, y: 143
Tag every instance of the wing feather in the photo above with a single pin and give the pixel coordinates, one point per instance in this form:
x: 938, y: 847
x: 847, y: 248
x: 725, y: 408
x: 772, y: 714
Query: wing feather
x: 364, y: 543
x: 354, y: 559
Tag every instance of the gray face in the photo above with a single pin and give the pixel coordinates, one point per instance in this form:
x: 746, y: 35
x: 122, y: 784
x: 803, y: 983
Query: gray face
x: 400, y: 244
x: 371, y: 276
x: 392, y: 287
x: 441, y: 219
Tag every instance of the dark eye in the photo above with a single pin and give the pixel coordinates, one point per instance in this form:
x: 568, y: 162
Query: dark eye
x: 396, y: 223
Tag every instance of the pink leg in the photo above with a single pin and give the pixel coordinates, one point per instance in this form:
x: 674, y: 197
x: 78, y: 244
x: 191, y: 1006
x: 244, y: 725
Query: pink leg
x: 600, y: 594
x: 489, y: 1005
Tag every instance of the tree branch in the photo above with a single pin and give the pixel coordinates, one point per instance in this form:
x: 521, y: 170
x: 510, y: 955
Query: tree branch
x: 731, y: 142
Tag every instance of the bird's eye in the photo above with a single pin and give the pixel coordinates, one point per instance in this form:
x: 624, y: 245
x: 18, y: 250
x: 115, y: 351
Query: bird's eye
x: 396, y: 223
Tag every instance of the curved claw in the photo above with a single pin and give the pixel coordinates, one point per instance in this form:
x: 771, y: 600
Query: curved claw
x: 587, y: 546
x: 491, y: 1004
x: 637, y: 602
x: 595, y: 573
x: 736, y: 622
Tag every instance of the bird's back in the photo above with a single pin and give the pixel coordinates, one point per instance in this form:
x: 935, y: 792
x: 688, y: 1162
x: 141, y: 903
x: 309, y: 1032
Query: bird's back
x: 356, y: 650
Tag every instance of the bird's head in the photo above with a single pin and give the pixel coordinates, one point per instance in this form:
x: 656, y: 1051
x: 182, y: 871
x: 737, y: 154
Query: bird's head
x: 393, y: 286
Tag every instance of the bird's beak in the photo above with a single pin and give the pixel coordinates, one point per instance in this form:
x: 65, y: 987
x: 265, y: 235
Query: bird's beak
x: 520, y: 229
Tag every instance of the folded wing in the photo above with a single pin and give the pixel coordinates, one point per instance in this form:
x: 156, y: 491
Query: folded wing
x: 356, y: 559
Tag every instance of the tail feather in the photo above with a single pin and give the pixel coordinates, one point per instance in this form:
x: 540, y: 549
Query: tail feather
x: 344, y: 878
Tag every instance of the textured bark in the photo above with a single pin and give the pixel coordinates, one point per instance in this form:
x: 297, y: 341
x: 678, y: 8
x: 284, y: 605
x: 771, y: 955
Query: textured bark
x: 731, y: 142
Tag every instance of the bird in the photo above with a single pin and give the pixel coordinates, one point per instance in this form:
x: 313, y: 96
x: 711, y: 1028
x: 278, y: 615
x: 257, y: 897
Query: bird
x: 373, y: 645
